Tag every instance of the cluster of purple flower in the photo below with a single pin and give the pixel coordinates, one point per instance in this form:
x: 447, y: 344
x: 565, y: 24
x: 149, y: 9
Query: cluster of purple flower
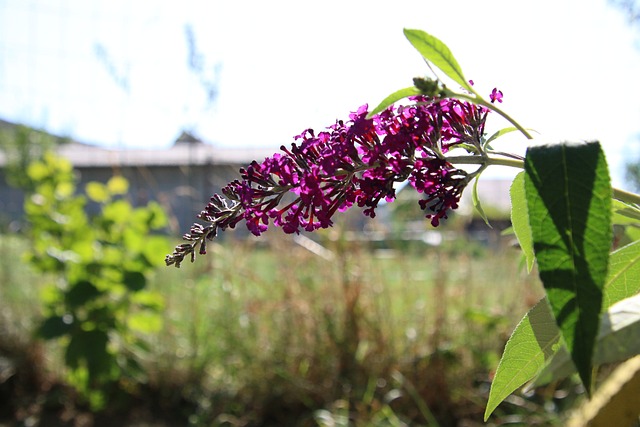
x: 350, y: 163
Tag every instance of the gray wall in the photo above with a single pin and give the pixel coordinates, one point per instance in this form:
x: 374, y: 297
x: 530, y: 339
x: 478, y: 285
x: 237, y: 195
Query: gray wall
x: 183, y: 191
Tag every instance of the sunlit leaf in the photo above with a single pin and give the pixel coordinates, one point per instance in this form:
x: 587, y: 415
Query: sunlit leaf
x: 97, y: 192
x: 499, y: 133
x: 118, y: 211
x: 65, y: 189
x: 617, y: 341
x: 624, y: 213
x: 154, y: 245
x: 118, y: 184
x: 532, y: 343
x: 569, y: 200
x: 477, y: 204
x: 84, y: 248
x: 37, y: 171
x: 145, y: 322
x: 623, y: 280
x: 158, y: 218
x: 520, y: 219
x: 627, y: 219
x: 437, y: 53
x: 150, y: 300
x: 394, y: 97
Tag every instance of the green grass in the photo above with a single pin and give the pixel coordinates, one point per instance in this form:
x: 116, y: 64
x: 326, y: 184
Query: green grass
x: 267, y: 333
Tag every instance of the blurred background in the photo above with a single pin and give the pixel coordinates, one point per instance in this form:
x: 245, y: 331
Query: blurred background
x: 118, y: 120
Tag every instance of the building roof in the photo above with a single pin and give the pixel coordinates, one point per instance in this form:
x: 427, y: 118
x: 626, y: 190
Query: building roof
x: 187, y: 150
x: 180, y: 154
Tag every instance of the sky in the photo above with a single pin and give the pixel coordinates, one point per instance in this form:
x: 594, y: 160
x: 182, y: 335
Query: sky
x: 116, y: 72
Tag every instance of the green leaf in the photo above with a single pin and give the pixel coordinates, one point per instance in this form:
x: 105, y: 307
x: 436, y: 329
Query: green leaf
x: 155, y: 245
x: 55, y: 327
x: 145, y: 322
x: 118, y: 185
x: 118, y: 212
x: 617, y: 341
x: 157, y: 216
x: 532, y: 343
x: 623, y: 280
x: 624, y: 213
x: 89, y: 347
x: 394, y: 97
x: 569, y: 199
x: 134, y: 280
x: 81, y: 293
x: 520, y: 219
x: 64, y: 189
x: 436, y: 52
x: 626, y: 218
x: 37, y: 171
x: 149, y: 300
x: 499, y: 133
x: 477, y: 204
x: 97, y: 192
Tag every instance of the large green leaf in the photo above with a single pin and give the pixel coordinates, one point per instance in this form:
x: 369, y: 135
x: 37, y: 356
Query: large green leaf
x: 616, y: 342
x: 623, y: 281
x: 394, y: 97
x: 569, y: 200
x: 520, y: 219
x: 533, y: 342
x: 437, y: 53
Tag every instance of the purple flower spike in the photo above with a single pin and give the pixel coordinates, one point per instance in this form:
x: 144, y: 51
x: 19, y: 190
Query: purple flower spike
x: 356, y: 162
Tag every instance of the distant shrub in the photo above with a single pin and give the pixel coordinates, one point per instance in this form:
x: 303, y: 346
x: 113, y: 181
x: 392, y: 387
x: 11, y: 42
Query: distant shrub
x: 95, y: 296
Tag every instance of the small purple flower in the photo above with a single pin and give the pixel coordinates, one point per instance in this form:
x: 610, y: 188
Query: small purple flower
x: 356, y: 162
x: 496, y: 95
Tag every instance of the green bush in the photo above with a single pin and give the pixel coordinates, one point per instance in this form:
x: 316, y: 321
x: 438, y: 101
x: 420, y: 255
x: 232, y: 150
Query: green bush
x: 95, y: 302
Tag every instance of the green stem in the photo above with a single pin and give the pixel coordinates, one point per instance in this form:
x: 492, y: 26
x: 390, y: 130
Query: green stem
x: 622, y: 195
x: 478, y: 100
x: 488, y: 161
x: 485, y: 161
x: 626, y: 196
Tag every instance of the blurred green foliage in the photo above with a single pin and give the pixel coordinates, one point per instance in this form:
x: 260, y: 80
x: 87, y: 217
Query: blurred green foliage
x: 20, y: 146
x: 96, y: 299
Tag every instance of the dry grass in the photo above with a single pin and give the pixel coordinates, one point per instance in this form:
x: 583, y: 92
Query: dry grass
x: 267, y: 333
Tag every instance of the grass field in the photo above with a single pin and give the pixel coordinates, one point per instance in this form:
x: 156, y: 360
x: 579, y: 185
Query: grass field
x: 266, y: 333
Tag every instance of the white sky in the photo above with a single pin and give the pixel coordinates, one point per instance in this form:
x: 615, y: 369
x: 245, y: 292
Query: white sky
x: 567, y: 68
